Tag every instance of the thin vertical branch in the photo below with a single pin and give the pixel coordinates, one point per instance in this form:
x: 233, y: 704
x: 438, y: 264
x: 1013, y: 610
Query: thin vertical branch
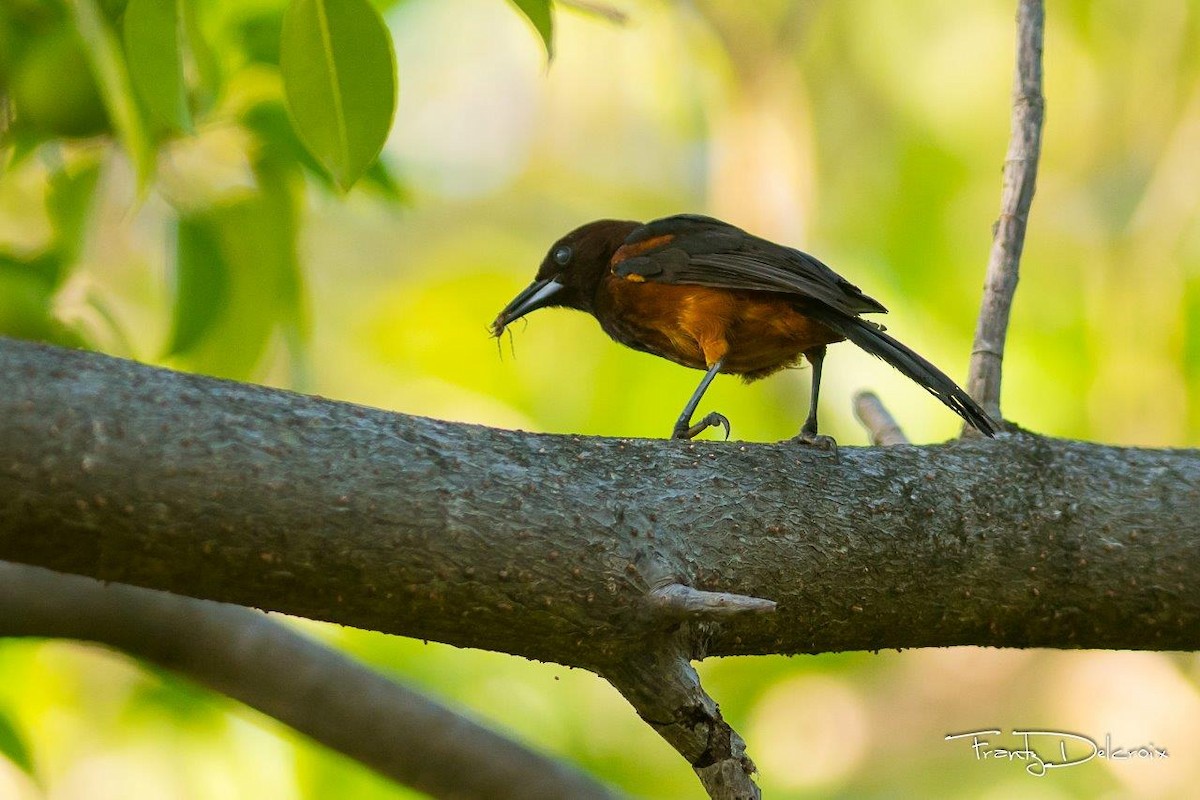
x: 1020, y: 176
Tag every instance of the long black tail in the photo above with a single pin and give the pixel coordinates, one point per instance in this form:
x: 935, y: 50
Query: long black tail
x: 869, y: 337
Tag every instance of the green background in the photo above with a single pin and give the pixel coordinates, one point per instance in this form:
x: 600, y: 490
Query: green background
x: 868, y: 132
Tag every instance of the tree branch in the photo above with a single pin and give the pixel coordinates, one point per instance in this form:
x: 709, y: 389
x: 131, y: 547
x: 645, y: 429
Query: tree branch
x: 550, y: 546
x: 313, y: 688
x: 566, y: 549
x: 665, y: 690
x: 1008, y: 240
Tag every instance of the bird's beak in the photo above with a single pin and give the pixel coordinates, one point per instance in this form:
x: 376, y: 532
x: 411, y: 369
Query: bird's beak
x: 536, y: 295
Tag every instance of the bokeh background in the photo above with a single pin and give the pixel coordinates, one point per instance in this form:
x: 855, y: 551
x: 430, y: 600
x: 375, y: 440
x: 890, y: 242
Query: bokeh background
x: 869, y: 132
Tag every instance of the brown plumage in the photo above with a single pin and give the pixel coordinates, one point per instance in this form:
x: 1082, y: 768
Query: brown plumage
x: 707, y: 295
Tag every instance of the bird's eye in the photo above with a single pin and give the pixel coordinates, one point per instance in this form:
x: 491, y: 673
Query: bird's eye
x: 562, y: 255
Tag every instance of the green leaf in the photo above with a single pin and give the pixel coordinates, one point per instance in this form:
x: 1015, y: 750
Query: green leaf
x: 113, y: 9
x: 258, y: 33
x: 53, y: 89
x: 163, y: 696
x: 386, y: 184
x: 281, y: 199
x: 154, y: 46
x: 201, y: 282
x: 200, y: 66
x: 238, y: 279
x: 538, y: 13
x: 43, y: 269
x: 339, y: 76
x: 16, y: 148
x: 27, y: 300
x: 12, y: 745
x: 278, y: 142
x: 68, y: 201
x: 112, y: 74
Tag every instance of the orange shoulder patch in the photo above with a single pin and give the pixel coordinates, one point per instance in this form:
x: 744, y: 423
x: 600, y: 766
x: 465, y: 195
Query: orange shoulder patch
x: 637, y: 248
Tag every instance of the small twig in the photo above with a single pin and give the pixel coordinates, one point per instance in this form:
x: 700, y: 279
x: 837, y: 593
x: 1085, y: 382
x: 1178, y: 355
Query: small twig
x: 313, y: 688
x: 685, y: 601
x: 665, y: 690
x: 878, y: 421
x: 1020, y: 176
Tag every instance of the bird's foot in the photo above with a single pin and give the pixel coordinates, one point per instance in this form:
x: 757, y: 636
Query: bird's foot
x: 817, y: 440
x: 711, y: 420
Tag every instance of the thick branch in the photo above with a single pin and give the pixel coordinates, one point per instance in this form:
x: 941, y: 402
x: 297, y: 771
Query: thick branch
x: 549, y: 546
x: 305, y: 684
x: 1020, y: 177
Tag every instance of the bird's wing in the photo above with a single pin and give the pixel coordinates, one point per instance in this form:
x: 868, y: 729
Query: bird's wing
x: 692, y: 249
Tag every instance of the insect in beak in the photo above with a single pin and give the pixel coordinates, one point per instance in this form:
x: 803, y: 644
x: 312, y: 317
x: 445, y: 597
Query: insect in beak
x: 536, y: 295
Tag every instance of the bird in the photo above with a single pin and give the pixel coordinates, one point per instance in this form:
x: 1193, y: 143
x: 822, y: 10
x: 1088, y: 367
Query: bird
x: 708, y: 295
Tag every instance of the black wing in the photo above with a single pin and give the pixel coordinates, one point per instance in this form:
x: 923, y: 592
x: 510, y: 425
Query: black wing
x: 693, y: 249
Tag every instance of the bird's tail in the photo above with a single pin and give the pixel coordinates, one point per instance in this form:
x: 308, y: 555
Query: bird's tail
x: 870, y: 337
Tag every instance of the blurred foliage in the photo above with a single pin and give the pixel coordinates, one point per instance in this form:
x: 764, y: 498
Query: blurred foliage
x: 158, y: 200
x: 13, y: 747
x: 85, y: 84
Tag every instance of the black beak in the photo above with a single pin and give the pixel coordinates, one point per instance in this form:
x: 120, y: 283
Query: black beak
x: 536, y: 295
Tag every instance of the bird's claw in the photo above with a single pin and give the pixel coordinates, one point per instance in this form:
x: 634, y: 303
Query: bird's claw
x: 817, y: 440
x: 711, y: 420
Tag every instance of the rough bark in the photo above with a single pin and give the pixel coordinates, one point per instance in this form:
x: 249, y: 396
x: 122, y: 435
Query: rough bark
x: 551, y: 547
x: 626, y: 557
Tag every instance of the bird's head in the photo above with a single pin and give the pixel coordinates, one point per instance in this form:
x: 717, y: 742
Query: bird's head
x: 571, y: 271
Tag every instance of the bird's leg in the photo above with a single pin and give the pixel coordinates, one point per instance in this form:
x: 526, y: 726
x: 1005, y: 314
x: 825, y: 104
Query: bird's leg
x: 684, y: 429
x: 808, y: 433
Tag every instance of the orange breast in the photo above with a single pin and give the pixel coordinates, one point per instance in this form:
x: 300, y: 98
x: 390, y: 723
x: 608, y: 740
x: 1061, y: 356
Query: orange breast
x: 756, y: 333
